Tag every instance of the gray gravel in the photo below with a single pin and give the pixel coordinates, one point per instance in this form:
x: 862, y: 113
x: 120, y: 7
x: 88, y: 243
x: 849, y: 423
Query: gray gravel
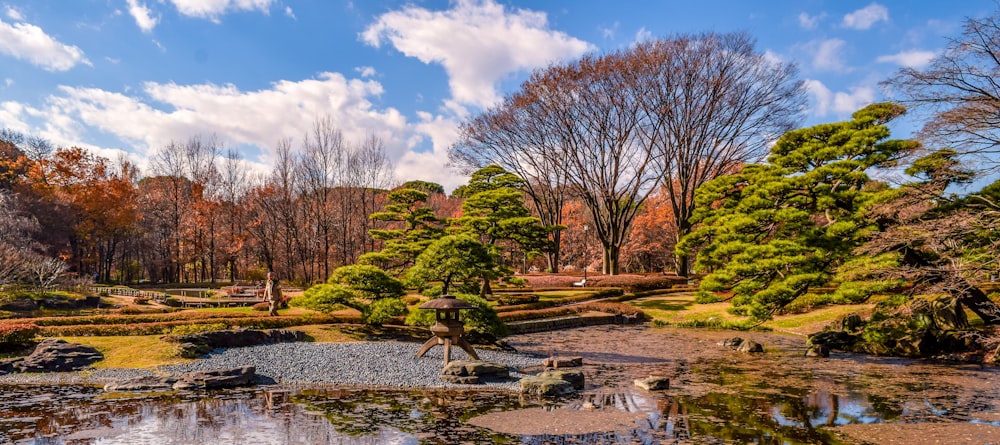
x: 383, y: 364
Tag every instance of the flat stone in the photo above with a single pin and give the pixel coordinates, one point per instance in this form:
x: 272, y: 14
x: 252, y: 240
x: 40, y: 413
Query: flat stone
x: 221, y: 378
x: 653, y: 383
x: 563, y: 362
x: 574, y: 377
x: 477, y: 368
x: 142, y: 384
x: 731, y: 343
x: 546, y: 386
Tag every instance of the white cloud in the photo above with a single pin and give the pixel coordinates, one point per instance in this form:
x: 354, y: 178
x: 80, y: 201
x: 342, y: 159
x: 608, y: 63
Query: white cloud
x: 807, y: 21
x: 478, y: 42
x: 909, y: 59
x: 643, y: 35
x: 609, y: 32
x: 432, y: 165
x: 14, y: 14
x: 865, y: 17
x: 839, y: 103
x: 143, y: 16
x: 212, y: 9
x: 290, y: 13
x: 260, y: 118
x: 828, y: 55
x: 365, y: 71
x: 8, y: 81
x: 30, y: 43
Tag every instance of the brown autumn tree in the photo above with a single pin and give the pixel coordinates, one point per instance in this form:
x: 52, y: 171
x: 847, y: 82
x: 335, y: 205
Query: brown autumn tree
x: 651, y: 243
x: 959, y: 93
x: 682, y: 110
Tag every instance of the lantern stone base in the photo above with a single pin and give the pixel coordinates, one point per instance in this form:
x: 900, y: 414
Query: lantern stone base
x: 448, y: 333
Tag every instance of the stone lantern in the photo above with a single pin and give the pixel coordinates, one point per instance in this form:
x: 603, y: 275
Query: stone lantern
x: 449, y: 327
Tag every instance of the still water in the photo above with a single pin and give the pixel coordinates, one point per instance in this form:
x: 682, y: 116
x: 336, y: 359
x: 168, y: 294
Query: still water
x: 715, y: 397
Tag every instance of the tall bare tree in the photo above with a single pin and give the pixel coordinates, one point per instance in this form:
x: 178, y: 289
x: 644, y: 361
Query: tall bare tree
x: 711, y: 103
x: 960, y: 93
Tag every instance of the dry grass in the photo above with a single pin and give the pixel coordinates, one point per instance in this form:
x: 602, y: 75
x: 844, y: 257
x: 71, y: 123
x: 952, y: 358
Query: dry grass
x: 133, y: 351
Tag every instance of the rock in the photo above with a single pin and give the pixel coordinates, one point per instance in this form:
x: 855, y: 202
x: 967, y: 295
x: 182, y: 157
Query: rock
x: 55, y: 355
x: 833, y: 339
x: 575, y: 378
x: 818, y: 351
x: 10, y: 365
x: 19, y: 305
x: 461, y: 379
x: 750, y: 346
x: 852, y: 322
x: 222, y: 378
x: 470, y: 372
x: 563, y: 362
x: 731, y: 343
x: 142, y: 384
x: 546, y: 386
x: 475, y: 368
x: 653, y: 383
x: 197, y: 345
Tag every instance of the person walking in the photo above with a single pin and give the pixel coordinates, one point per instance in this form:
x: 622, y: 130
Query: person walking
x: 272, y: 293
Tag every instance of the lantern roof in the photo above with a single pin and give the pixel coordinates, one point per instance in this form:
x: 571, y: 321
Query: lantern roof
x: 447, y: 302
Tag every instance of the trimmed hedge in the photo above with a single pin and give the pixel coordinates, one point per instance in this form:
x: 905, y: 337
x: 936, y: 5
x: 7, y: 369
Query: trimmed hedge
x: 165, y: 327
x: 597, y: 306
x: 17, y: 332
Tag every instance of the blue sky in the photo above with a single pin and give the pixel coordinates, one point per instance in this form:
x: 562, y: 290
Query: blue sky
x: 129, y: 76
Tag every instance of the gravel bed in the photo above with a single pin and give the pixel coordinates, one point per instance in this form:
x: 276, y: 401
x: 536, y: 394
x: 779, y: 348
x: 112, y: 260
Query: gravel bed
x: 383, y: 364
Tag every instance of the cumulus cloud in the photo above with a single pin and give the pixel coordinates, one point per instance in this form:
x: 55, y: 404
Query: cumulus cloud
x: 162, y: 112
x: 14, y: 14
x: 290, y: 13
x: 365, y: 71
x: 828, y: 55
x: 143, y: 16
x: 478, y: 42
x: 212, y: 9
x: 431, y: 165
x: 865, y: 17
x: 826, y: 101
x: 909, y: 59
x: 807, y: 21
x: 30, y: 43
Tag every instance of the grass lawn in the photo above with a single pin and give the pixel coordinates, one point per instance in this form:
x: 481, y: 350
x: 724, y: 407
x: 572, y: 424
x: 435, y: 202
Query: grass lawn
x: 560, y: 294
x: 133, y: 351
x: 681, y: 308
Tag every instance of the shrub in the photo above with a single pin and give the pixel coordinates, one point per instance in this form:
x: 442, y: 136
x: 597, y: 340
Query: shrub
x: 186, y: 329
x: 173, y: 302
x: 516, y: 281
x: 507, y: 300
x: 263, y: 307
x: 130, y: 310
x: 327, y: 298
x: 433, y: 291
x: 382, y: 310
x: 370, y: 281
x: 140, y: 300
x: 638, y: 283
x: 18, y: 332
x: 411, y: 299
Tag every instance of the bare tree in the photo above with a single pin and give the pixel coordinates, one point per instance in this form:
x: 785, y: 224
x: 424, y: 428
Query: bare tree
x: 711, y: 103
x: 44, y: 271
x: 960, y: 93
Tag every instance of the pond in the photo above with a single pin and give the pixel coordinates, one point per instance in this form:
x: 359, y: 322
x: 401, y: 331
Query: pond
x: 716, y: 396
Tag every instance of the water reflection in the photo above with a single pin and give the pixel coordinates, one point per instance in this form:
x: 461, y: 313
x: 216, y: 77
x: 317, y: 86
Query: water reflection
x: 46, y: 415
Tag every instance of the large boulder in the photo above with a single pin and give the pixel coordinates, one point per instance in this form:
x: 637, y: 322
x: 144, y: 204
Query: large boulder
x: 196, y: 345
x: 55, y: 355
x: 546, y: 386
x: 841, y: 340
x: 150, y: 383
x: 742, y: 345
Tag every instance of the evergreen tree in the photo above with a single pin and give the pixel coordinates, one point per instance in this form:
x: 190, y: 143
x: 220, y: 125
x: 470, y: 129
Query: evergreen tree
x: 416, y: 227
x: 771, y: 232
